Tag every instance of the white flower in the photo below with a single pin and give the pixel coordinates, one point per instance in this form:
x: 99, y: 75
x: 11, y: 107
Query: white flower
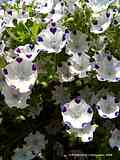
x: 101, y: 22
x: 108, y: 107
x: 52, y: 39
x: 79, y: 64
x: 12, y: 14
x: 114, y: 140
x: 35, y: 142
x: 28, y: 52
x: 13, y: 97
x: 72, y: 5
x: 107, y: 67
x: 23, y: 154
x: 43, y: 6
x: 77, y: 42
x: 99, y: 5
x: 77, y: 113
x: 57, y: 12
x: 86, y: 134
x: 21, y: 74
x: 64, y: 73
x: 2, y: 47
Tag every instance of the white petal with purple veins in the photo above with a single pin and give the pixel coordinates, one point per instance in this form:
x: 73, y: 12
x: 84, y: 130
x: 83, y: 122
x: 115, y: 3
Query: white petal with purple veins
x: 107, y: 67
x: 77, y: 112
x: 21, y: 73
x: 52, y: 39
x: 107, y: 108
x: 28, y: 52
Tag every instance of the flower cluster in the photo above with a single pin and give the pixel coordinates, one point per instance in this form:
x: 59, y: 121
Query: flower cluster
x: 69, y: 42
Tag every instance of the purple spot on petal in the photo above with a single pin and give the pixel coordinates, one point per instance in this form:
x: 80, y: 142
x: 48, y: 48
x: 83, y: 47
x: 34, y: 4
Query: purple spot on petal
x: 114, y: 10
x: 34, y: 67
x: 117, y: 78
x: 66, y: 31
x: 19, y: 60
x: 53, y: 30
x: 101, y: 29
x: 18, y: 50
x: 5, y: 71
x: 33, y: 152
x: 107, y: 14
x: 23, y: 12
x: 64, y: 37
x: 104, y: 116
x: 38, y: 50
x: 53, y: 24
x: 104, y: 97
x: 102, y: 78
x: 90, y: 138
x: 31, y: 46
x: 30, y: 87
x: 53, y: 11
x: 63, y: 108
x: 10, y: 13
x: 3, y: 23
x: 29, y: 55
x: 97, y: 66
x: 109, y: 57
x: 40, y: 39
x: 98, y: 107
x: 67, y: 125
x: 116, y: 100
x: 78, y: 99
x: 116, y: 113
x: 89, y: 110
x: 45, y: 4
x: 84, y: 125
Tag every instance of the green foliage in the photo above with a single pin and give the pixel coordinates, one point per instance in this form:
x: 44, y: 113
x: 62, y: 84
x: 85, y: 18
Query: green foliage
x: 2, y: 62
x: 80, y: 20
x: 22, y: 33
x: 113, y: 38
